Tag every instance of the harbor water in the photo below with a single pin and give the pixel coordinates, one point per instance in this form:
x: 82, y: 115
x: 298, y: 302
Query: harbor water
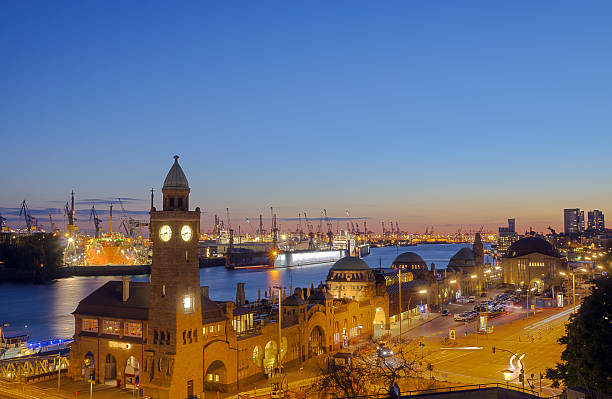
x: 47, y: 309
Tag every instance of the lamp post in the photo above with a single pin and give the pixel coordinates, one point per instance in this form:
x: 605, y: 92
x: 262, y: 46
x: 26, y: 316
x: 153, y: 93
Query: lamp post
x: 424, y: 292
x: 280, y: 342
x: 399, y: 291
x: 59, y: 370
x: 573, y: 286
x: 508, y: 373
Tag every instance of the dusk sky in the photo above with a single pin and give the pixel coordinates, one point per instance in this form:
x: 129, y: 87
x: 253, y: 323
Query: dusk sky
x: 429, y: 113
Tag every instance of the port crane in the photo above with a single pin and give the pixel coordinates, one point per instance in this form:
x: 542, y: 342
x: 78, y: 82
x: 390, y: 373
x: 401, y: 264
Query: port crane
x: 261, y: 233
x: 30, y: 220
x: 229, y: 227
x: 310, y: 232
x: 51, y: 224
x: 299, y: 232
x: 330, y: 234
x: 132, y: 224
x: 320, y: 227
x: 274, y: 230
x: 93, y: 215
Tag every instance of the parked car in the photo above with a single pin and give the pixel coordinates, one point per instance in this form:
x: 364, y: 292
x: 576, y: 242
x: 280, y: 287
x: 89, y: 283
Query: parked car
x: 444, y: 313
x: 471, y: 299
x: 483, y: 294
x: 458, y: 317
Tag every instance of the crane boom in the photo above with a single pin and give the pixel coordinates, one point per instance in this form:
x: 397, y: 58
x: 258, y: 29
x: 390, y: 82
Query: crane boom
x: 29, y: 219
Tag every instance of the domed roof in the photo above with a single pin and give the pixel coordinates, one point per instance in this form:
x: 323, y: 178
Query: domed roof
x: 409, y: 258
x: 464, y: 254
x: 529, y: 245
x: 176, y: 178
x: 350, y: 263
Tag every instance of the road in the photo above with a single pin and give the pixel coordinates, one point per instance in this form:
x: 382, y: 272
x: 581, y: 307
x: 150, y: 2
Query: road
x: 472, y: 359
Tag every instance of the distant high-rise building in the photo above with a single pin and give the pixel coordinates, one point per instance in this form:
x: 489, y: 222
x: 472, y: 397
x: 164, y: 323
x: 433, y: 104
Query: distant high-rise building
x: 573, y: 220
x: 507, y: 236
x: 596, y: 220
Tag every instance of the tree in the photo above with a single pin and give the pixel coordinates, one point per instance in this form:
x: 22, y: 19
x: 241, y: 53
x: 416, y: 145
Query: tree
x: 587, y: 358
x: 364, y: 373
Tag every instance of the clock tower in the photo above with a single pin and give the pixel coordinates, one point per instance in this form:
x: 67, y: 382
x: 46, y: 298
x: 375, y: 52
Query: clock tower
x: 173, y: 357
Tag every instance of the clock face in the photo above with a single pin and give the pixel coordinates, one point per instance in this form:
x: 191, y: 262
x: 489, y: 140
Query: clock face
x: 165, y: 233
x: 186, y: 233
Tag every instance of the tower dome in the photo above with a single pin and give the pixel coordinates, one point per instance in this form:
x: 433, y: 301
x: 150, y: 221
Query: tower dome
x: 176, y: 178
x: 176, y: 189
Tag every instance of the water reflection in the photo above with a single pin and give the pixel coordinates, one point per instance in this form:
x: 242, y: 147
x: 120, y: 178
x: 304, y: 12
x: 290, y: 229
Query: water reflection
x: 47, y: 309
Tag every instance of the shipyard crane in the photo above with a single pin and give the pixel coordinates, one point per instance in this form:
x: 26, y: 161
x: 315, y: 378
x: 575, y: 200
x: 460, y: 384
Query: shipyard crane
x: 261, y: 233
x: 70, y: 212
x: 365, y: 228
x: 132, y: 223
x: 310, y: 232
x: 229, y: 227
x: 553, y: 232
x: 51, y: 224
x: 248, y: 221
x: 397, y: 229
x: 125, y: 227
x: 330, y: 233
x: 384, y: 232
x: 30, y: 220
x: 274, y: 230
x: 299, y: 231
x: 93, y: 215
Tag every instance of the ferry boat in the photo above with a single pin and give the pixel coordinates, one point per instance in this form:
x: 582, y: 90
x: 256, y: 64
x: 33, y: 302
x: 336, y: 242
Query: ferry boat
x: 14, y: 343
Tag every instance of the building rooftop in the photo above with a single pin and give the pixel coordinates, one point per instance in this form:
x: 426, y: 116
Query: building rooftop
x: 409, y: 258
x: 350, y: 263
x: 529, y: 245
x: 107, y: 301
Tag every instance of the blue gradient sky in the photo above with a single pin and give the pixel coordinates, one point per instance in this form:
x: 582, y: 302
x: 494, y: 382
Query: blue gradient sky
x: 430, y: 113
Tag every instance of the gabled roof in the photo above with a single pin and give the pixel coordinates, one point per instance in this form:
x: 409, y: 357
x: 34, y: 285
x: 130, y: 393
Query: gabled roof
x: 107, y: 301
x: 176, y: 178
x: 464, y: 254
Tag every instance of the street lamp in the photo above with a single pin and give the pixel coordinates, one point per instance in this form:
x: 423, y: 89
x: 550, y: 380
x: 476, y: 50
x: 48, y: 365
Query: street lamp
x: 573, y: 286
x: 507, y: 376
x: 509, y: 373
x: 424, y: 292
x: 280, y: 341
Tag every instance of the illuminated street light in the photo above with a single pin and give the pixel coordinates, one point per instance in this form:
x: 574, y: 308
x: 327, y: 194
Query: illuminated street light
x: 423, y: 292
x: 453, y: 281
x: 473, y: 276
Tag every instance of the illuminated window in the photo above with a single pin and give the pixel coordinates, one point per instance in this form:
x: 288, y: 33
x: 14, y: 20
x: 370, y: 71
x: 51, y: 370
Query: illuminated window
x: 188, y: 303
x: 211, y: 329
x: 111, y: 327
x: 133, y: 329
x: 90, y: 325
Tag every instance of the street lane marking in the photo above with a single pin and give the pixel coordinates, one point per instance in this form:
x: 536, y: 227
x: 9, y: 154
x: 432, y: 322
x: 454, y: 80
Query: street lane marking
x: 551, y: 318
x: 463, y: 348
